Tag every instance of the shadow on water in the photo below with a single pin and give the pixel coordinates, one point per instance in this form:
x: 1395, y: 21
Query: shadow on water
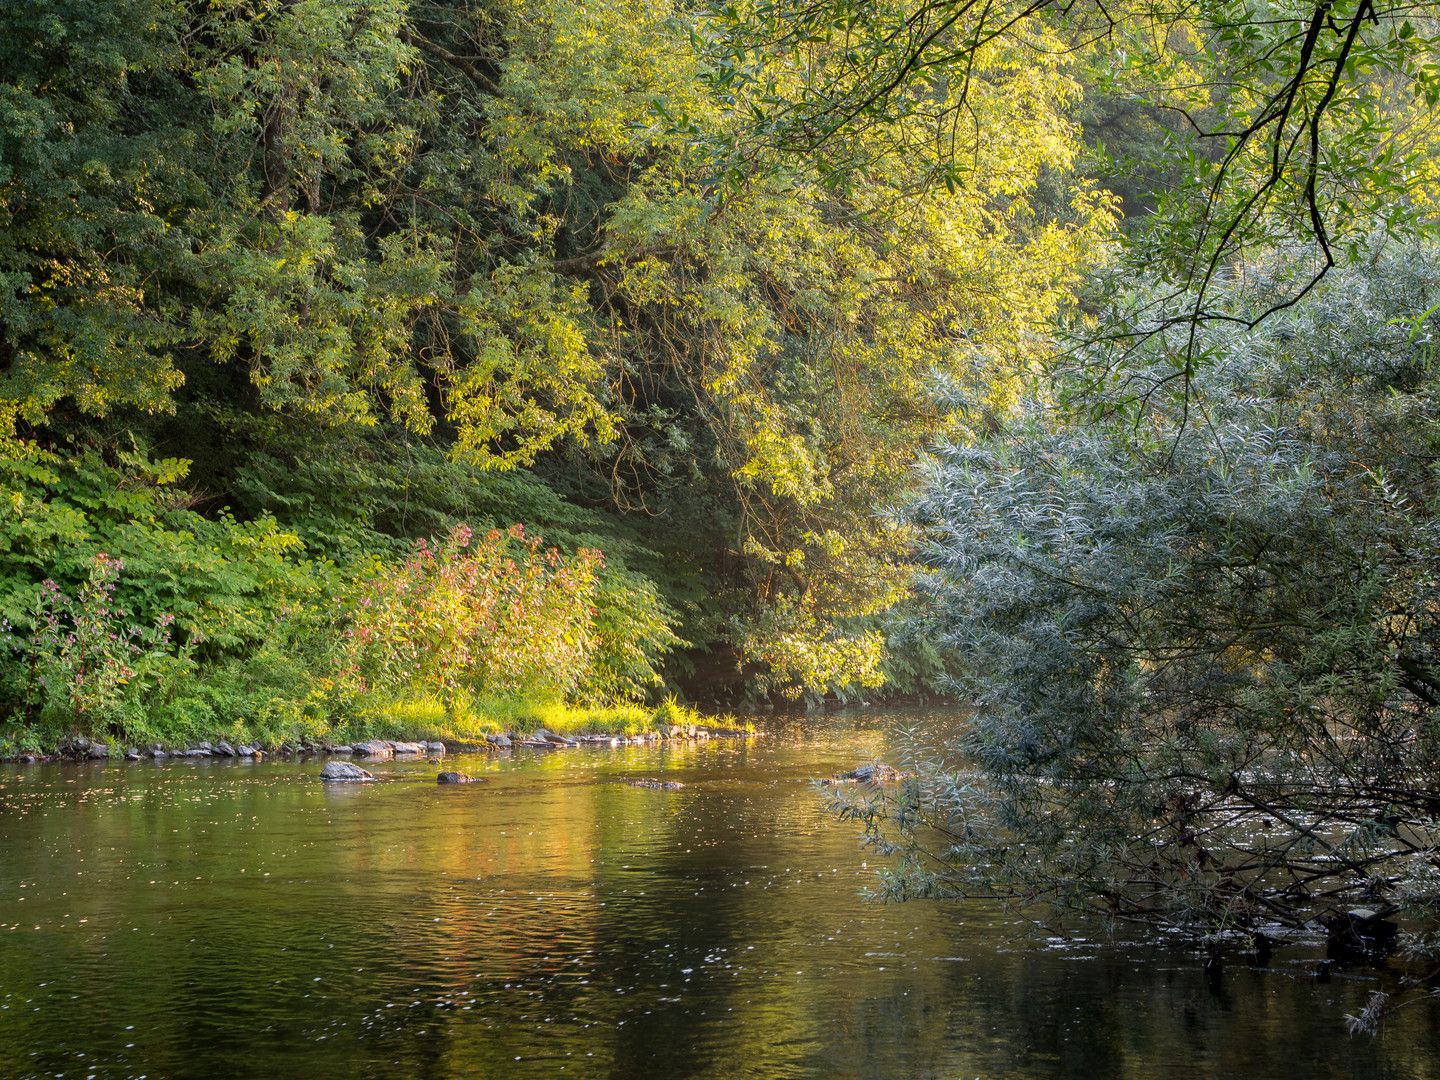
x: 244, y: 920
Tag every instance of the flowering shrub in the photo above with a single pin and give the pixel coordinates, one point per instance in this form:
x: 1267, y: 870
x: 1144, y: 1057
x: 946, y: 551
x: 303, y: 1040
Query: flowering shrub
x: 85, y: 660
x: 491, y: 614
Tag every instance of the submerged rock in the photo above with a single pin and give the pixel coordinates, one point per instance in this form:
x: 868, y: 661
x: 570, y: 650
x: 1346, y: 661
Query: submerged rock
x: 651, y: 782
x: 456, y: 778
x: 340, y: 771
x: 867, y: 774
x: 1360, y: 930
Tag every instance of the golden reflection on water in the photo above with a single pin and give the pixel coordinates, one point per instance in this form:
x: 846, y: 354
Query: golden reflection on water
x: 241, y: 919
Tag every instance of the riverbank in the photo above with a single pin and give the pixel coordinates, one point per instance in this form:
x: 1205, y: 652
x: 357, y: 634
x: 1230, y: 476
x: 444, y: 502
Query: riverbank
x: 479, y: 725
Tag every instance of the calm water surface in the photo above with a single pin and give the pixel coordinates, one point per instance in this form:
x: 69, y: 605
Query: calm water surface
x: 241, y: 920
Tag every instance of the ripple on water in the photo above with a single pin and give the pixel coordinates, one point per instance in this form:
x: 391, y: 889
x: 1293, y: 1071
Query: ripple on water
x: 243, y: 920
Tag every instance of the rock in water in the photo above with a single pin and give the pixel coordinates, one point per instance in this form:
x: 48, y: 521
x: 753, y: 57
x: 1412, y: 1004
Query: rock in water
x: 659, y: 785
x: 375, y: 748
x: 455, y: 778
x: 1361, y: 930
x: 343, y: 770
x: 867, y: 774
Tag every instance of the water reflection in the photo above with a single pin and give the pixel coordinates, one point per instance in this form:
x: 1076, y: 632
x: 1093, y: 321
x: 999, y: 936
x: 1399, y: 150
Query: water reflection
x: 243, y: 920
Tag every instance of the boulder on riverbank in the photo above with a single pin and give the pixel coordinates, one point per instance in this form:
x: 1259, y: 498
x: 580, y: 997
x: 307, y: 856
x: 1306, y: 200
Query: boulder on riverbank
x: 343, y: 771
x: 375, y: 748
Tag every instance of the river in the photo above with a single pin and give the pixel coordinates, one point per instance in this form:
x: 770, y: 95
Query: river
x: 237, y: 919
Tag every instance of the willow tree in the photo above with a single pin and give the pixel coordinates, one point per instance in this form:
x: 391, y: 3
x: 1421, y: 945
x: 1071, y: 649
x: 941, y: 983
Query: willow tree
x: 1203, y: 647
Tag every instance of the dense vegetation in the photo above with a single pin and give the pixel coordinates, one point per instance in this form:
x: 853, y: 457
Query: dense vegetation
x: 384, y: 364
x: 294, y: 285
x: 1187, y: 583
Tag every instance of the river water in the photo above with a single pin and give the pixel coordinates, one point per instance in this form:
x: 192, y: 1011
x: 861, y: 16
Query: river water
x: 235, y: 919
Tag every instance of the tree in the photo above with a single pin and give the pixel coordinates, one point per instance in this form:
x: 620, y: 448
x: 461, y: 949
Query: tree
x: 496, y: 227
x: 1199, y: 634
x: 1292, y: 121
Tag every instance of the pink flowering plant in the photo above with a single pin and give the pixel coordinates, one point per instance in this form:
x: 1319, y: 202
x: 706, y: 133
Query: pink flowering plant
x: 86, y: 663
x: 474, y: 614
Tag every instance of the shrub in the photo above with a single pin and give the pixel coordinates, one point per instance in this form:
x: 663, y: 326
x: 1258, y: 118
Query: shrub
x: 85, y: 663
x: 490, y: 614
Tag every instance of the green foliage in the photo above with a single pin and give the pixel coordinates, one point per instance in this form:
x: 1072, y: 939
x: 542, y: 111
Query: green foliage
x: 1196, y: 621
x: 472, y: 223
x: 84, y: 664
x: 220, y: 579
x: 1291, y: 121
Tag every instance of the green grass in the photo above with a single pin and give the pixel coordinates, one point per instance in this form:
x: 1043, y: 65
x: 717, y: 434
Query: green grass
x: 276, y: 721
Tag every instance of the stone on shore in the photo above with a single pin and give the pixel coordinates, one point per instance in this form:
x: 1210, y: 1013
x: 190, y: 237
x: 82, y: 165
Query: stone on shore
x: 375, y: 748
x: 502, y: 740
x: 342, y: 771
x: 435, y: 747
x: 412, y: 749
x: 223, y: 749
x: 97, y: 751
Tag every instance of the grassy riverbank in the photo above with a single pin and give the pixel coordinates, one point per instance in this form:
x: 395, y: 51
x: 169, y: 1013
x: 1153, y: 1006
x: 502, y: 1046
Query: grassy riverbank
x: 409, y: 719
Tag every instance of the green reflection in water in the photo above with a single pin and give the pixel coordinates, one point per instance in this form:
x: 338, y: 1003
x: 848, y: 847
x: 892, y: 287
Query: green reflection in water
x: 243, y: 920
